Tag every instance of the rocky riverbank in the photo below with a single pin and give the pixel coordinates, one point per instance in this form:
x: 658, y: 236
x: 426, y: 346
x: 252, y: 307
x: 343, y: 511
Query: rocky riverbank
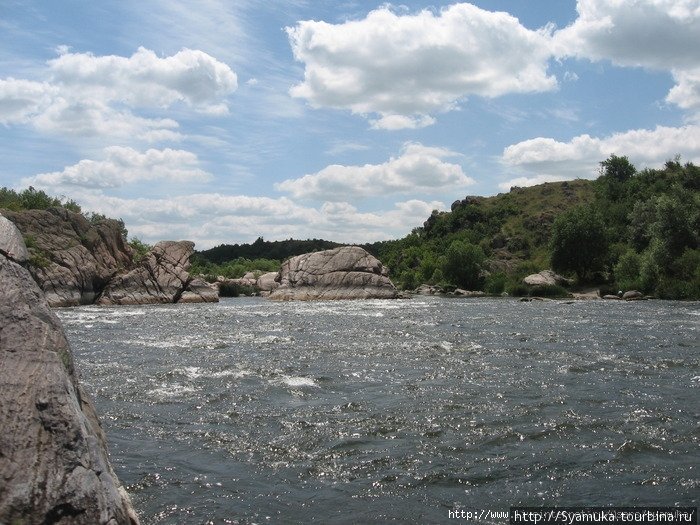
x: 54, y: 464
x: 76, y: 261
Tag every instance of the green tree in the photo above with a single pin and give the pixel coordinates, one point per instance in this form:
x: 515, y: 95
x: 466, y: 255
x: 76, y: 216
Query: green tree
x: 579, y: 242
x: 463, y: 264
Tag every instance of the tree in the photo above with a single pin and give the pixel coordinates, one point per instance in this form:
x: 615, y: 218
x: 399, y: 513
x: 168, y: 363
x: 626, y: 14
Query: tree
x: 463, y: 264
x: 579, y: 242
x: 614, y: 173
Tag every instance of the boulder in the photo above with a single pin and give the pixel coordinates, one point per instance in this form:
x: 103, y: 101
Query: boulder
x: 469, y: 293
x: 587, y: 294
x: 612, y: 297
x: 11, y: 242
x: 267, y: 283
x: 348, y: 272
x: 54, y: 466
x: 428, y: 289
x: 632, y: 295
x: 199, y: 291
x: 546, y: 278
x: 70, y: 257
x: 161, y: 277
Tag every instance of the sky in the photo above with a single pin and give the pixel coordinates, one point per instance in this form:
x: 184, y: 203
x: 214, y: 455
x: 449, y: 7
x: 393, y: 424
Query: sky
x: 222, y: 121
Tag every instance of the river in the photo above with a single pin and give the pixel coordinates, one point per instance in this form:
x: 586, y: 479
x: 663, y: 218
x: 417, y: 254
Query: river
x: 250, y: 411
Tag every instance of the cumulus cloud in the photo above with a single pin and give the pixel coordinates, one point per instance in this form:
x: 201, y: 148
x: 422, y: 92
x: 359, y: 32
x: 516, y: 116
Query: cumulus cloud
x: 146, y: 80
x: 88, y: 95
x: 405, y: 67
x: 122, y: 166
x: 418, y: 168
x: 20, y: 99
x: 580, y: 157
x: 657, y: 34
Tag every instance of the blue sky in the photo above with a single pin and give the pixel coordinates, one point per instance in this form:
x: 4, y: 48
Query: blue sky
x: 221, y: 121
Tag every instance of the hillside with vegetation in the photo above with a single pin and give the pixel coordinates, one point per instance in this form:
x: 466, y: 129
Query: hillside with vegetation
x: 626, y: 230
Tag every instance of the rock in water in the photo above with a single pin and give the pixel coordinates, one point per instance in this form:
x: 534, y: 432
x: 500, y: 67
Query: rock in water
x: 54, y: 466
x: 162, y: 277
x: 348, y: 272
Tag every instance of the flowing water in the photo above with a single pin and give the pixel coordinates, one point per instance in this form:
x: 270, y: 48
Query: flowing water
x: 250, y: 411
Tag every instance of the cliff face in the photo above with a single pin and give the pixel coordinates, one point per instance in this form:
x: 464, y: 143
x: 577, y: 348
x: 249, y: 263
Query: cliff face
x: 78, y: 262
x: 348, y: 272
x: 54, y: 466
x: 71, y: 258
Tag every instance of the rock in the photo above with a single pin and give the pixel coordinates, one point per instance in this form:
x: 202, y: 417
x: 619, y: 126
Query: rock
x: 632, y: 295
x: 348, y: 272
x: 250, y: 276
x: 267, y: 283
x: 71, y: 258
x: 587, y: 295
x: 11, y: 242
x: 546, y: 278
x: 54, y: 464
x: 428, y: 289
x: 161, y: 277
x: 612, y: 297
x: 470, y: 293
x: 199, y: 291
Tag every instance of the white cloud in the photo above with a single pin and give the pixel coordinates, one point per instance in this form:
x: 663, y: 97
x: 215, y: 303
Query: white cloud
x: 657, y: 34
x: 686, y: 93
x: 405, y: 67
x: 123, y: 166
x: 146, y: 80
x: 418, y: 169
x: 20, y: 99
x: 580, y: 157
x: 660, y: 34
x: 86, y: 95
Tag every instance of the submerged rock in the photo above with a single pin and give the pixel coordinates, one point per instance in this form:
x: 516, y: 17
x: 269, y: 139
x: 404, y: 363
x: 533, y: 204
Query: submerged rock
x: 54, y: 465
x: 161, y: 277
x: 348, y: 272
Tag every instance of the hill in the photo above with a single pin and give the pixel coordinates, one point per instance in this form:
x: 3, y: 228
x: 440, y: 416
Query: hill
x: 625, y: 230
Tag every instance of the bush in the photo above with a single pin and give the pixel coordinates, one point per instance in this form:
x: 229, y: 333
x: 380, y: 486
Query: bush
x: 495, y: 283
x: 228, y: 289
x: 548, y: 290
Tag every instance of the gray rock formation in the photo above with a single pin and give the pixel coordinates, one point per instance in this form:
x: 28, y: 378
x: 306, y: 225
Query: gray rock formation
x: 546, y: 278
x: 161, y: 277
x: 199, y: 291
x: 71, y: 258
x: 633, y: 295
x: 266, y: 283
x: 11, y: 242
x: 54, y: 466
x: 348, y: 272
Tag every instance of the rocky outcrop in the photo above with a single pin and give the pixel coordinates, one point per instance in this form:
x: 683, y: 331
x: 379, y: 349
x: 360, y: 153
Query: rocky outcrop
x: 633, y: 295
x: 546, y: 278
x: 76, y: 261
x: 70, y: 257
x: 348, y: 272
x: 54, y: 466
x: 161, y: 277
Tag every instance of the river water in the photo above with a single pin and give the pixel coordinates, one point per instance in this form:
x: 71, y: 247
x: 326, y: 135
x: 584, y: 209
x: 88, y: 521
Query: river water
x: 250, y: 411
